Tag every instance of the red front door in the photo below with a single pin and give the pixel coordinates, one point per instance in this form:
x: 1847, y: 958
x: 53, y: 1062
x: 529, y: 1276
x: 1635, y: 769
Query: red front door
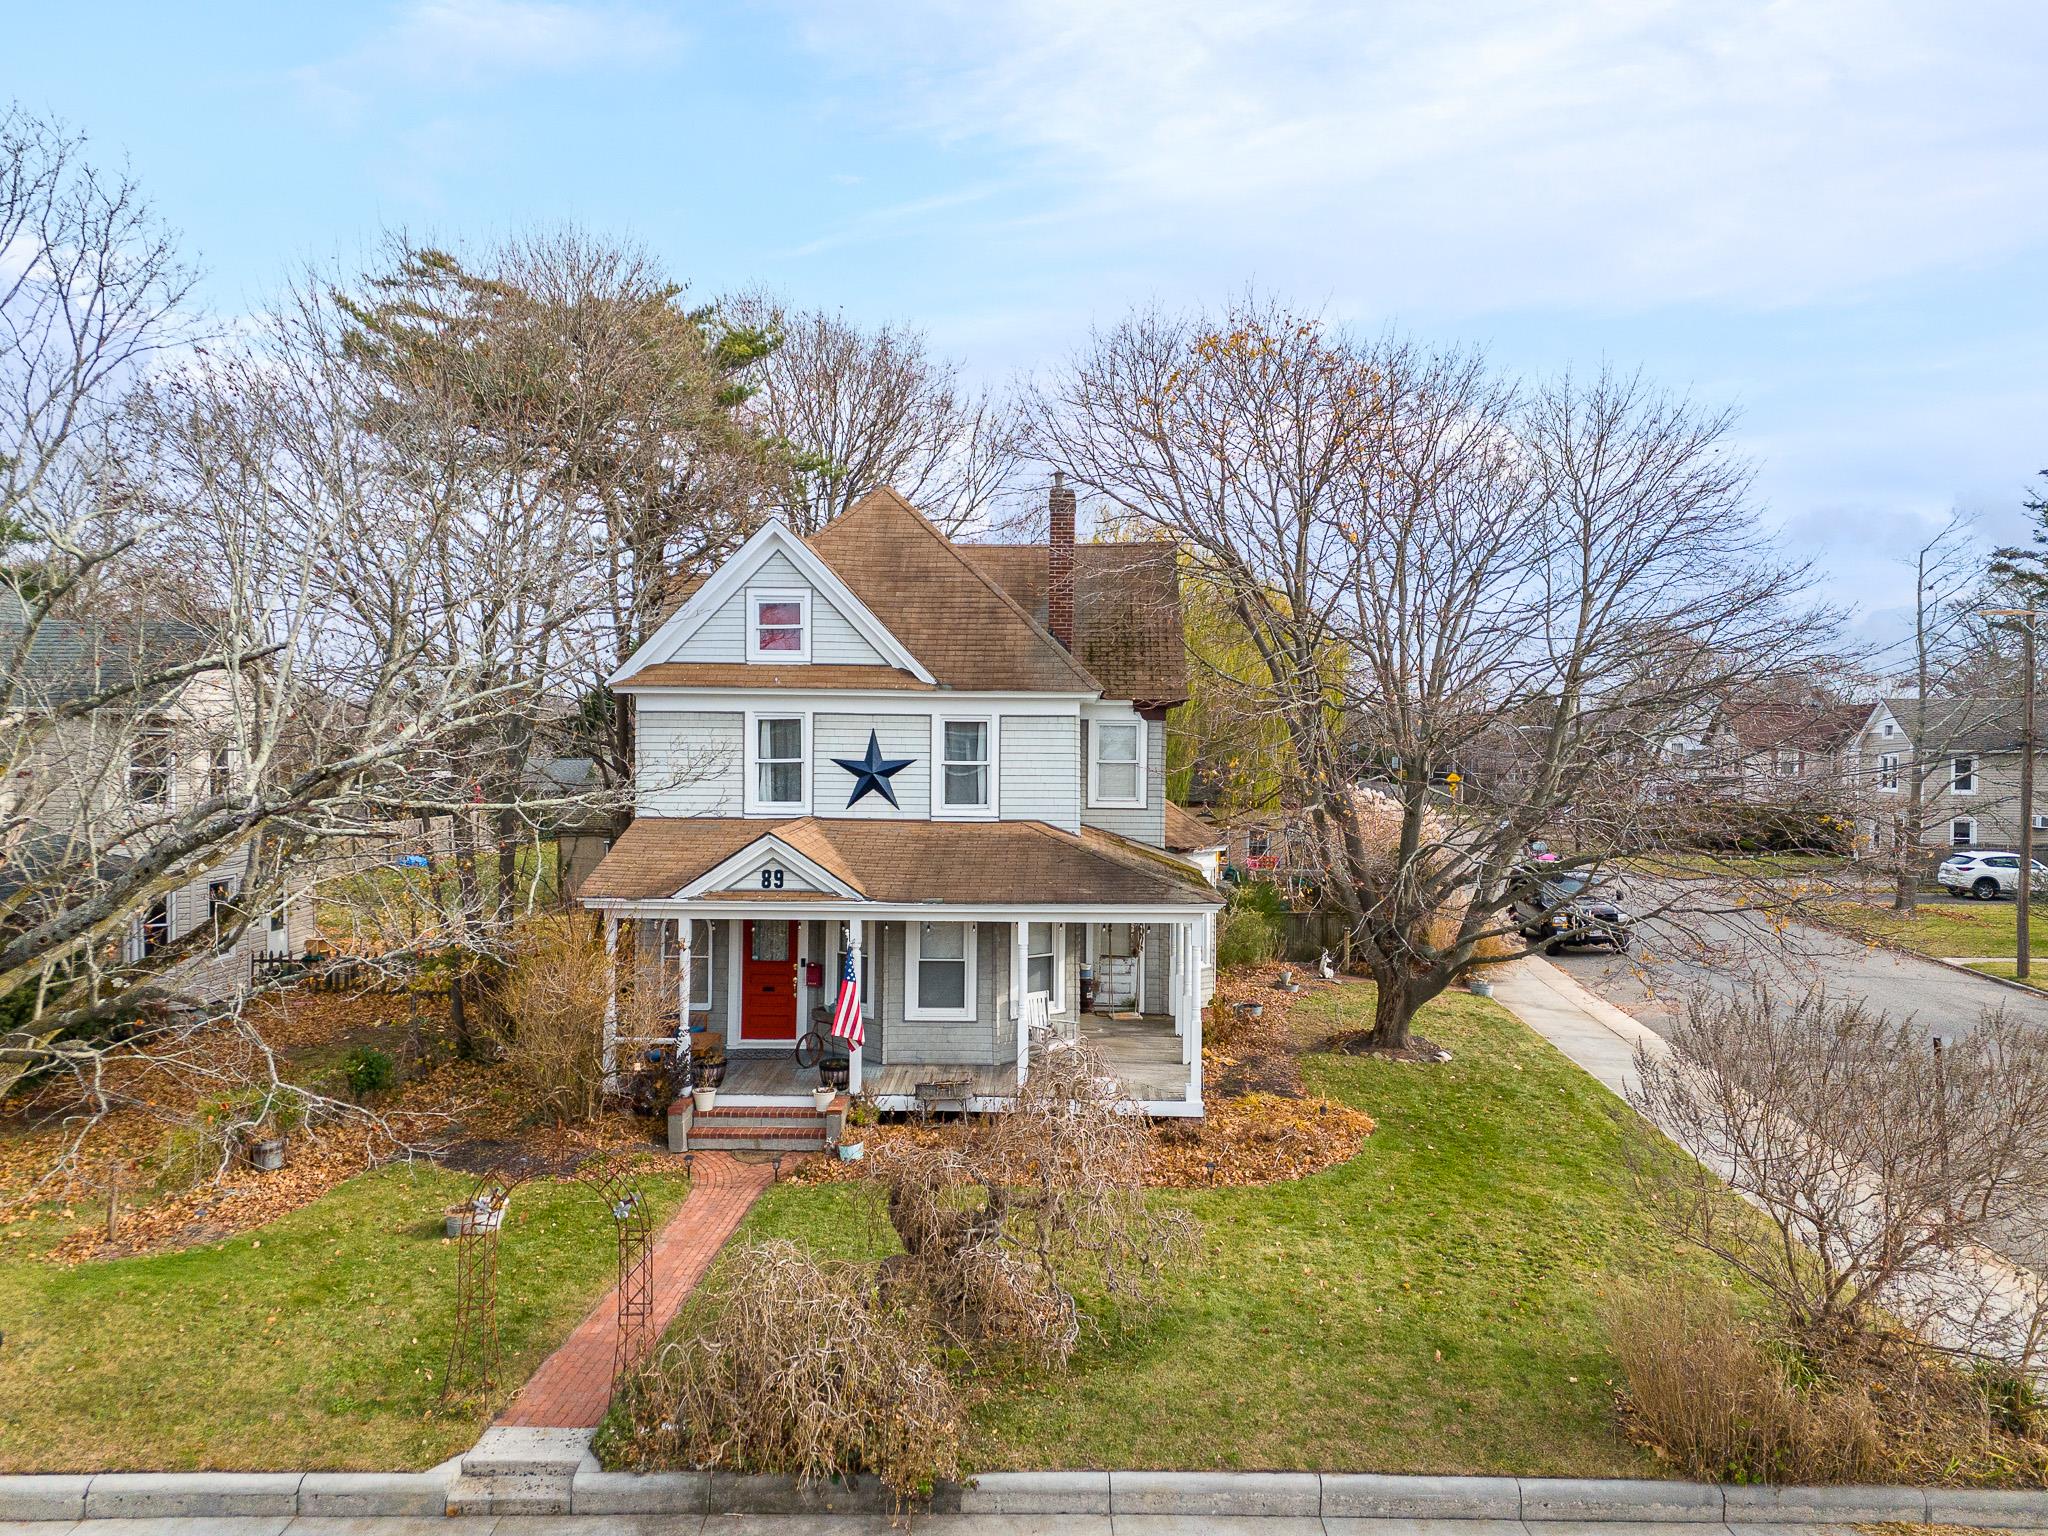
x: 768, y: 983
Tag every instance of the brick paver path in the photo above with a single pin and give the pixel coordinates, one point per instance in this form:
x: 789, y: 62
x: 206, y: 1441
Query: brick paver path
x: 573, y: 1386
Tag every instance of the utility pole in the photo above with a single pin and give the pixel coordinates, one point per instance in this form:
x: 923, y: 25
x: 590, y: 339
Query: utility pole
x: 2022, y: 942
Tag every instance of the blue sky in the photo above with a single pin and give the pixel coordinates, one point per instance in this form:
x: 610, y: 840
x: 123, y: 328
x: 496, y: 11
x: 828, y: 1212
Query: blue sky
x: 1831, y: 214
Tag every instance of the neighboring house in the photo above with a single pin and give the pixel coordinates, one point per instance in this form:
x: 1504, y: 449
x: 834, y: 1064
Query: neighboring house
x: 1196, y: 841
x: 95, y: 791
x: 1770, y: 750
x: 1969, y: 755
x: 947, y: 761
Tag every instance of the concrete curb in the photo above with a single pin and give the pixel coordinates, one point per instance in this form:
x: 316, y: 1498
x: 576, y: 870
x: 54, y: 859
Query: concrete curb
x: 2003, y: 981
x: 1300, y: 1495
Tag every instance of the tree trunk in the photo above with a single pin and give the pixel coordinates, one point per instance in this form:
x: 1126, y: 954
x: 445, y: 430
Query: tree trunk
x: 1906, y: 891
x: 1397, y: 996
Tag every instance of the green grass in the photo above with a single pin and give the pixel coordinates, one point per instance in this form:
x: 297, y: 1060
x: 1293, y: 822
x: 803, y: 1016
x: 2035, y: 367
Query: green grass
x: 1947, y: 932
x: 2006, y: 968
x: 1432, y: 1306
x: 317, y: 1341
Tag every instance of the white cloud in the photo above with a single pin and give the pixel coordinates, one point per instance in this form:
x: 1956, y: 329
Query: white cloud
x: 444, y: 45
x: 1501, y: 153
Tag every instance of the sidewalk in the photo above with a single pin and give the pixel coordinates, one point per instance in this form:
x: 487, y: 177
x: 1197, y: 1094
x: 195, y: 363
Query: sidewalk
x: 573, y: 1386
x: 1976, y: 1289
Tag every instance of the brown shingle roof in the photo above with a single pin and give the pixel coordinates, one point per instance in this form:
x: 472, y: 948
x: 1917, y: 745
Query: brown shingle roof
x: 754, y: 674
x: 1185, y: 831
x: 963, y: 626
x: 1127, y: 613
x: 906, y: 861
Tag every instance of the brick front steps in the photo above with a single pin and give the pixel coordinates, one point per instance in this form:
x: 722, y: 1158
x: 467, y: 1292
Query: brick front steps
x: 744, y: 1129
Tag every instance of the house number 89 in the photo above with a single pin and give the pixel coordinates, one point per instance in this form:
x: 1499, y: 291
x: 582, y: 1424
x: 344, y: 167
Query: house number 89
x: 771, y: 879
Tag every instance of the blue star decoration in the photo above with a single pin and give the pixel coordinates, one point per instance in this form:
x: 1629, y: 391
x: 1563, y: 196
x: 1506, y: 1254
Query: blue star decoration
x: 873, y: 772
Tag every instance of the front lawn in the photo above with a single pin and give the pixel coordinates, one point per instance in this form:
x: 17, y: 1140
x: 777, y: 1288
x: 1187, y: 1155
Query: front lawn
x: 317, y: 1341
x: 1944, y: 931
x: 1431, y: 1306
x: 2007, y: 969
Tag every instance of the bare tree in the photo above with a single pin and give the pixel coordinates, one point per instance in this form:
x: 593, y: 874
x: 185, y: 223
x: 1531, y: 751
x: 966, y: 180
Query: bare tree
x: 1886, y: 1174
x: 1439, y: 571
x: 851, y: 409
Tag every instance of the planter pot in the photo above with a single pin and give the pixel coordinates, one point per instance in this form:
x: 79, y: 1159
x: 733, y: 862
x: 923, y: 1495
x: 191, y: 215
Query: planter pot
x: 265, y: 1156
x: 852, y: 1151
x: 1251, y: 1010
x: 821, y: 1098
x: 473, y: 1216
x: 710, y: 1074
x: 836, y: 1072
x: 706, y: 1099
x: 1479, y: 988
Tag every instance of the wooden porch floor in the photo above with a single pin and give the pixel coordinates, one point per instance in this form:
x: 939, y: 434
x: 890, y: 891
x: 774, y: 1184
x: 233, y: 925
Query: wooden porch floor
x: 1143, y: 1054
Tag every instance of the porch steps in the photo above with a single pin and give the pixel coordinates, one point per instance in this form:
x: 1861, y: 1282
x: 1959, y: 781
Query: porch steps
x: 764, y: 1128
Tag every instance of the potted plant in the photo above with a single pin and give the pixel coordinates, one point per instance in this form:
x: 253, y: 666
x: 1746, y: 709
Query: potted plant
x: 822, y: 1097
x: 707, y: 1064
x: 482, y: 1212
x: 265, y: 1143
x: 859, y: 1115
x: 1479, y: 986
x: 836, y: 1072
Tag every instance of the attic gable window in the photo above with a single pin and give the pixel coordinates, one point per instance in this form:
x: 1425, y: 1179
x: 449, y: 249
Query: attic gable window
x: 778, y: 625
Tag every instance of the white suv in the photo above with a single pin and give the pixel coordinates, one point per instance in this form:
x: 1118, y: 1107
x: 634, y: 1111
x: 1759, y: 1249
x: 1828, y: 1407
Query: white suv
x: 1986, y: 876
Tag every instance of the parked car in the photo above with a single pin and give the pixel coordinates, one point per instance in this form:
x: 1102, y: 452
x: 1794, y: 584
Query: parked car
x: 1986, y: 876
x: 1556, y: 910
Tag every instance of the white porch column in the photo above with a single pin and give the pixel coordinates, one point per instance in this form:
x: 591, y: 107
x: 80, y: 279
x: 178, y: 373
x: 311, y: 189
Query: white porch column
x: 1194, y: 1007
x: 1176, y: 983
x: 1020, y: 966
x: 685, y: 971
x: 856, y: 946
x: 611, y: 1002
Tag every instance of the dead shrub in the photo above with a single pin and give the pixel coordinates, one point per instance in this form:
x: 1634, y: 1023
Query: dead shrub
x: 800, y: 1369
x: 547, y: 1019
x: 999, y: 1224
x: 1707, y: 1395
x: 1722, y: 1399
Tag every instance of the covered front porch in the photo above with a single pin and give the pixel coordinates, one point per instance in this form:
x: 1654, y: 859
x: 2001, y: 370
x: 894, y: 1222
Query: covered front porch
x: 958, y: 1005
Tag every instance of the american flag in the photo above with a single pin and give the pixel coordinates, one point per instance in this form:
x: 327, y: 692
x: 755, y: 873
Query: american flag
x: 846, y: 1023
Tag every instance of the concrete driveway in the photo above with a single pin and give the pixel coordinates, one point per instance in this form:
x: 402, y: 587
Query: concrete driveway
x: 1726, y: 953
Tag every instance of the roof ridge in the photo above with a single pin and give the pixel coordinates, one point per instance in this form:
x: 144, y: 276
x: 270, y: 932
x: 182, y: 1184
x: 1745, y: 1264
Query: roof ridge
x: 1044, y: 635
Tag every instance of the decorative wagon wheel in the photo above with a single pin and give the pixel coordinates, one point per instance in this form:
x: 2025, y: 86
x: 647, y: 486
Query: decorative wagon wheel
x: 810, y: 1050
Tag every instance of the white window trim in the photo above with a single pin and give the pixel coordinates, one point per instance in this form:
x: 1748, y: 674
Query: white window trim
x: 1888, y: 773
x: 703, y: 962
x: 1952, y: 821
x: 751, y: 787
x: 941, y: 811
x: 1058, y: 1003
x: 1096, y: 799
x: 755, y: 597
x: 1976, y: 772
x: 912, y: 944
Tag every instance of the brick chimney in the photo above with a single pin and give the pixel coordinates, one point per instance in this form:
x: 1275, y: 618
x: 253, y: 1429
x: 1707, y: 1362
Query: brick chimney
x: 1059, y: 561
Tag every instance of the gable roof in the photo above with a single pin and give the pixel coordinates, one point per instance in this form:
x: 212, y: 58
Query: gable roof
x: 730, y: 579
x: 1766, y: 725
x: 900, y: 862
x: 961, y: 624
x: 1971, y: 725
x: 73, y: 659
x: 1127, y: 613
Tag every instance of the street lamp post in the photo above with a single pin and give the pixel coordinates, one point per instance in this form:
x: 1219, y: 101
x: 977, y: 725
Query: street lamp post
x: 2022, y: 944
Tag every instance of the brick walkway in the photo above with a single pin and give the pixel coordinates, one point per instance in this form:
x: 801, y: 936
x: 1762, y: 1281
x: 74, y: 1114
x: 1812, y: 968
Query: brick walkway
x: 573, y: 1386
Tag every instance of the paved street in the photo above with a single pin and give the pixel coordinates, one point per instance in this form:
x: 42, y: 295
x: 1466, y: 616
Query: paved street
x: 1723, y: 954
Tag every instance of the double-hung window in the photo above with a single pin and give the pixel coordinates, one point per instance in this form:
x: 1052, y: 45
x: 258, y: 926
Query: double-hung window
x: 1116, y: 762
x: 778, y: 625
x: 1962, y: 776
x: 149, y: 766
x: 966, y: 765
x: 1962, y: 832
x: 1888, y: 770
x: 702, y: 960
x: 1043, y: 971
x: 778, y: 767
x: 940, y: 979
